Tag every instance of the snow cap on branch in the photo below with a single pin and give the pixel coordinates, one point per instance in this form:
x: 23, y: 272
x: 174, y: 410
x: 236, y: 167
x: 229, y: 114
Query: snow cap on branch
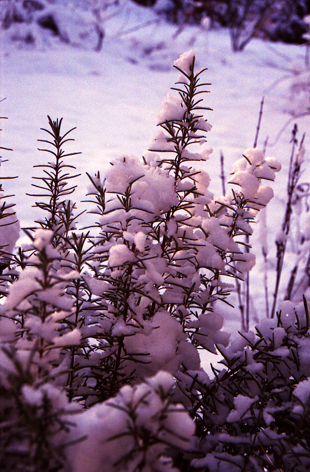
x: 185, y: 61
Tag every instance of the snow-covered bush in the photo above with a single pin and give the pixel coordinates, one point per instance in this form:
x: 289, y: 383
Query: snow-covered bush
x: 9, y: 230
x: 254, y: 416
x: 101, y: 327
x: 36, y: 22
x: 280, y: 20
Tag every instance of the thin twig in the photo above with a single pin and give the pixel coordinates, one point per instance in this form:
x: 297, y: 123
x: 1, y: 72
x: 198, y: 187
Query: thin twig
x: 140, y: 26
x: 222, y: 173
x: 259, y: 121
x: 247, y: 238
x: 268, y: 457
x: 293, y: 118
x: 241, y: 305
x: 293, y: 177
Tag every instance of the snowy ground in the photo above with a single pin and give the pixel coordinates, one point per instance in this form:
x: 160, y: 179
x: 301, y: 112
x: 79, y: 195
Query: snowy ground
x: 113, y: 98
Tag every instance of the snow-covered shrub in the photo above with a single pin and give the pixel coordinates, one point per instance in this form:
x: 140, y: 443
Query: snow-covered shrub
x: 134, y: 431
x: 101, y: 327
x: 254, y: 415
x: 299, y: 98
x: 9, y: 232
x: 166, y: 249
x: 280, y: 20
x: 286, y: 21
x: 36, y: 22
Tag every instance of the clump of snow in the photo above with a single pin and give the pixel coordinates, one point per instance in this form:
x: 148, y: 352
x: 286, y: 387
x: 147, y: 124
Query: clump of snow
x: 9, y: 229
x: 119, y: 255
x: 302, y: 392
x: 250, y: 171
x: 185, y: 61
x: 73, y: 338
x: 123, y: 426
x: 166, y: 333
x: 161, y: 143
x: 242, y: 405
x: 172, y: 109
x: 209, y: 332
x: 140, y: 240
x: 24, y: 286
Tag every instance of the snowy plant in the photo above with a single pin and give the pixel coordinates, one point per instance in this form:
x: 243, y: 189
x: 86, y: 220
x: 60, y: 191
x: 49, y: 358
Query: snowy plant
x: 37, y: 22
x: 31, y: 355
x: 254, y: 415
x: 299, y: 93
x: 166, y: 249
x: 101, y: 328
x: 102, y: 11
x: 136, y: 430
x: 9, y: 232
